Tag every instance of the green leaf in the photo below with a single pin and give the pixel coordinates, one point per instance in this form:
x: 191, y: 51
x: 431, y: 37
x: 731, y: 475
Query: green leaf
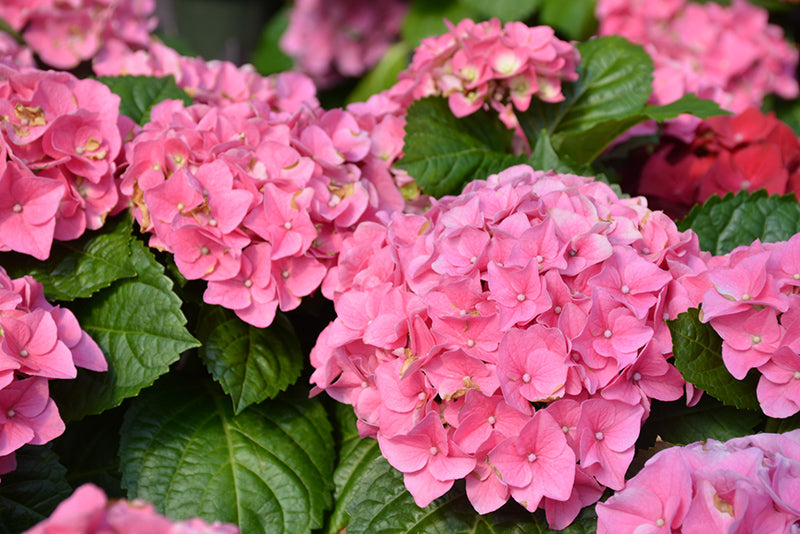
x: 139, y: 94
x: 383, y: 75
x: 356, y: 455
x: 31, y: 492
x: 382, y: 504
x: 426, y: 17
x: 574, y: 20
x: 615, y: 80
x: 268, y: 58
x: 723, y: 224
x: 545, y: 158
x: 783, y: 425
x: 789, y: 112
x: 443, y: 153
x: 585, y: 145
x: 698, y: 356
x: 252, y: 364
x: 139, y: 325
x: 79, y: 268
x: 679, y: 424
x: 505, y: 10
x: 268, y: 469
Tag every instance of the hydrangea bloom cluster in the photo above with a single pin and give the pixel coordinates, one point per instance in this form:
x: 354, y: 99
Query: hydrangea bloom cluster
x: 63, y: 34
x: 332, y: 39
x: 731, y: 55
x: 38, y: 342
x: 217, y: 83
x: 88, y: 511
x: 59, y: 138
x: 484, y: 64
x: 745, y: 485
x: 13, y: 52
x: 512, y: 335
x: 254, y: 201
x: 748, y: 151
x: 755, y: 307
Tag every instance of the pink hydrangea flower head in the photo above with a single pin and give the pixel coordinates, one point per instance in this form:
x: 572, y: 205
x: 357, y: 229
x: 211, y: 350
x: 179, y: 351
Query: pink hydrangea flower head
x: 486, y: 64
x: 221, y: 186
x: 529, y: 362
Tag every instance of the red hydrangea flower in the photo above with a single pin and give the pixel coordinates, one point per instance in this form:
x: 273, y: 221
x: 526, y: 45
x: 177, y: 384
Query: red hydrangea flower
x: 534, y: 366
x: 729, y: 153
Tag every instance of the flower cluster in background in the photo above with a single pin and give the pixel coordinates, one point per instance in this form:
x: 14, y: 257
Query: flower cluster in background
x: 38, y: 342
x: 730, y: 55
x: 88, y: 511
x: 513, y: 336
x: 747, y: 484
x: 331, y: 40
x: 59, y: 139
x: 63, y: 34
x: 256, y: 202
x: 484, y: 64
x: 754, y: 306
x: 730, y: 153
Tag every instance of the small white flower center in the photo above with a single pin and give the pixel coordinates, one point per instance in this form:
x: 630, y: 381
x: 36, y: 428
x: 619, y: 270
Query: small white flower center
x: 287, y: 225
x: 557, y: 310
x: 248, y: 283
x: 746, y: 296
x: 660, y: 522
x: 625, y: 290
x: 520, y: 297
x: 470, y: 343
x: 756, y: 339
x: 565, y: 429
x: 598, y: 436
x: 473, y: 259
x: 204, y: 250
x: 526, y: 378
x: 607, y: 334
x: 796, y: 375
x: 212, y: 221
x: 11, y: 413
x: 531, y: 457
x: 364, y: 384
x: 284, y: 274
x: 492, y: 420
x: 637, y: 376
x: 17, y: 208
x: 422, y: 395
x: 434, y: 450
x: 24, y: 353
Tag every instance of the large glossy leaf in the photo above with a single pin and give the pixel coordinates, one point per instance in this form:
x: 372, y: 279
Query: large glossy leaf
x: 79, y: 268
x: 698, y: 356
x: 443, y: 153
x: 723, y: 224
x: 252, y: 364
x: 615, y: 78
x: 139, y: 325
x: 139, y: 94
x: 355, y: 458
x: 585, y: 145
x: 267, y: 469
x: 573, y: 20
x: 268, y: 58
x: 32, y: 491
x: 382, y: 504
